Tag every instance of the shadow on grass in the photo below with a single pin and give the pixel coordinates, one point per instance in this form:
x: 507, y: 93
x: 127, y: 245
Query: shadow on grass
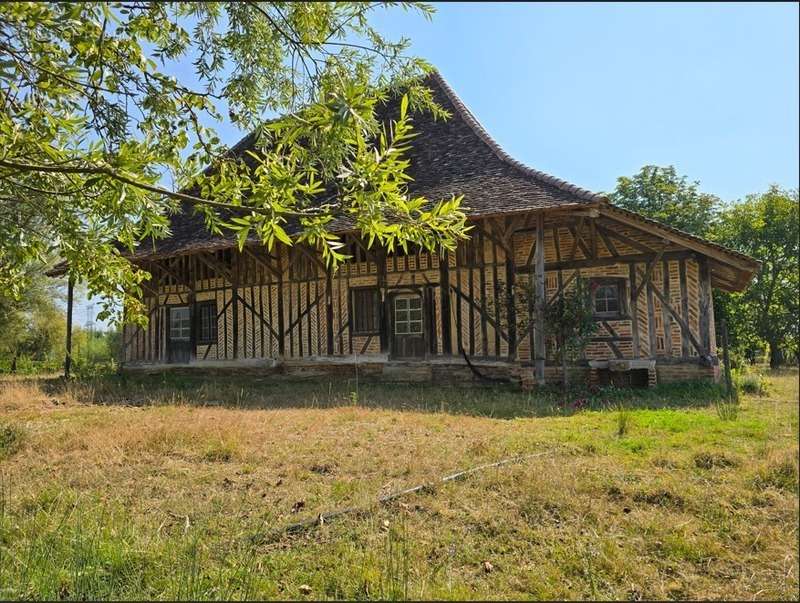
x: 249, y: 392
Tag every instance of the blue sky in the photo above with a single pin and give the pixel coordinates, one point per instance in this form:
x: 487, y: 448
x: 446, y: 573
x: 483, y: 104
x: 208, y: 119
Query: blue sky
x: 590, y: 92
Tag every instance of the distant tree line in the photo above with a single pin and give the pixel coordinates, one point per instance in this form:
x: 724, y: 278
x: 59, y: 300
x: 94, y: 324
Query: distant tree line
x: 764, y: 317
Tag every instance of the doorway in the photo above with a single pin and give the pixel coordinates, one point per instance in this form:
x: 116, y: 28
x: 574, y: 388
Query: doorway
x: 179, y: 334
x: 407, y: 318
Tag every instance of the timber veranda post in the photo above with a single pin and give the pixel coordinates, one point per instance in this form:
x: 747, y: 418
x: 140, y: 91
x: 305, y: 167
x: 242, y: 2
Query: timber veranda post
x: 540, y: 299
x: 68, y: 355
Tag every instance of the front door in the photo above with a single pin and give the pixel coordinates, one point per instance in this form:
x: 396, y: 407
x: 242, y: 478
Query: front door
x: 408, y: 326
x: 179, y: 334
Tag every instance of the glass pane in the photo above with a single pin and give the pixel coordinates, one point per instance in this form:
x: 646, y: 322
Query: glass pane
x: 401, y: 328
x: 415, y: 314
x: 415, y: 327
x: 415, y: 303
x: 401, y: 303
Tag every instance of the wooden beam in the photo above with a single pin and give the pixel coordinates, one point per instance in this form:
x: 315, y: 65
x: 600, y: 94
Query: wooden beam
x: 540, y: 293
x: 626, y: 239
x: 705, y: 305
x: 329, y: 310
x: 634, y: 311
x: 684, y: 307
x: 648, y: 273
x: 683, y: 324
x: 218, y: 268
x: 612, y: 249
x: 683, y: 241
x: 262, y: 262
x: 489, y: 318
x: 610, y: 261
x: 666, y: 317
x: 444, y: 301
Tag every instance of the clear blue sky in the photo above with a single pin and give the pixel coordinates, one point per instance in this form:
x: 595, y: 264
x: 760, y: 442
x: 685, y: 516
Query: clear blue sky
x: 590, y: 92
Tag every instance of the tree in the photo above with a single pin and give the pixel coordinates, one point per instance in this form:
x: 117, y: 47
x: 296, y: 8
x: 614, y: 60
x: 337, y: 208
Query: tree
x: 659, y: 193
x: 569, y: 320
x: 764, y: 226
x: 32, y: 325
x: 97, y: 117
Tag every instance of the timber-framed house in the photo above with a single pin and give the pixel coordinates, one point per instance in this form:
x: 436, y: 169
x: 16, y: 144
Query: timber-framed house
x: 440, y: 316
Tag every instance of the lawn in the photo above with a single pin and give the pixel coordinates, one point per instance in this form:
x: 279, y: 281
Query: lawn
x: 181, y: 488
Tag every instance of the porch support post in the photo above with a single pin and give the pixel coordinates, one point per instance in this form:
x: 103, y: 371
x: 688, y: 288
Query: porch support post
x: 383, y: 306
x: 706, y: 304
x: 444, y: 301
x: 68, y: 357
x: 541, y: 301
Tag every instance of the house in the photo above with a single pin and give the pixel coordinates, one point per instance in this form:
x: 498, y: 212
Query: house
x: 426, y: 315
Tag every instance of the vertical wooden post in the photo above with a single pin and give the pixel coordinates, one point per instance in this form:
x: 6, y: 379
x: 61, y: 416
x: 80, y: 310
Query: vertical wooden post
x: 666, y: 317
x: 235, y: 306
x: 511, y: 309
x: 329, y: 310
x: 540, y: 298
x: 726, y: 359
x: 684, y: 307
x: 634, y: 310
x: 279, y: 308
x: 68, y: 356
x: 706, y: 306
x: 444, y: 301
x: 383, y: 306
x: 651, y: 318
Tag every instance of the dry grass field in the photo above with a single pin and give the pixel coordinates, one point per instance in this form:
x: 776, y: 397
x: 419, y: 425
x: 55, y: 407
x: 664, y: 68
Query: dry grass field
x: 178, y: 488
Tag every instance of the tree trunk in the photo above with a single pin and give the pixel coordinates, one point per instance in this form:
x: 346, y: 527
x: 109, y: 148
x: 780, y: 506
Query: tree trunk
x: 775, y: 354
x: 14, y: 362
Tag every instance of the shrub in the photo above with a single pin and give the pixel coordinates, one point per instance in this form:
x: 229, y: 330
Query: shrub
x: 749, y: 382
x: 12, y: 438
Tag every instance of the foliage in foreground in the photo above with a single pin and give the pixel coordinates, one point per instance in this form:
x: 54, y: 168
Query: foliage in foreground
x: 171, y: 499
x: 96, y: 115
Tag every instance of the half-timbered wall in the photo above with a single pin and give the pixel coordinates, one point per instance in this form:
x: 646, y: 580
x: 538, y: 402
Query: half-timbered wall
x: 285, y: 304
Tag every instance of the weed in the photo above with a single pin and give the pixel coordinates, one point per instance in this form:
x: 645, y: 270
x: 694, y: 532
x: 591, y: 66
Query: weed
x: 780, y: 472
x: 220, y: 450
x: 710, y: 460
x: 623, y: 417
x: 12, y: 438
x: 727, y: 410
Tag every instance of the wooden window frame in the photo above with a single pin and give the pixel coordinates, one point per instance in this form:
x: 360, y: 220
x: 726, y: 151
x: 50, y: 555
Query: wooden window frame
x: 212, y: 337
x: 403, y: 316
x: 621, y: 284
x: 170, y: 335
x: 375, y: 327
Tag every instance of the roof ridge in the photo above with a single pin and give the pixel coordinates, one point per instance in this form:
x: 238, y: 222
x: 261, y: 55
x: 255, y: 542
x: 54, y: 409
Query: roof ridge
x: 484, y: 135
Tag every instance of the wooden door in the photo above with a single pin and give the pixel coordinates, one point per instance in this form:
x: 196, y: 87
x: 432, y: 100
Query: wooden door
x: 179, y: 334
x: 407, y: 313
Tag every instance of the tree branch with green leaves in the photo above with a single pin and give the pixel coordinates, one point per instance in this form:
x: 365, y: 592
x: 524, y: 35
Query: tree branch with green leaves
x: 104, y: 138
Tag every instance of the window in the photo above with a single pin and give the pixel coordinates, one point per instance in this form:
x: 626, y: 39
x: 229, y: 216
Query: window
x: 207, y: 322
x: 408, y: 315
x: 366, y: 313
x: 607, y: 297
x: 180, y: 326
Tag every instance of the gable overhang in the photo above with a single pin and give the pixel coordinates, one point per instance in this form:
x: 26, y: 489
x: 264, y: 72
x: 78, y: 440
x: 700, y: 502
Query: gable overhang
x: 730, y: 270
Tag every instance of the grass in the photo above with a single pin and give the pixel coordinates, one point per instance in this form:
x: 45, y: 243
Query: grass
x: 164, y: 487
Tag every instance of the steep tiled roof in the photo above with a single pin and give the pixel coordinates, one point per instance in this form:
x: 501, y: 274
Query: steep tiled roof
x: 456, y: 156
